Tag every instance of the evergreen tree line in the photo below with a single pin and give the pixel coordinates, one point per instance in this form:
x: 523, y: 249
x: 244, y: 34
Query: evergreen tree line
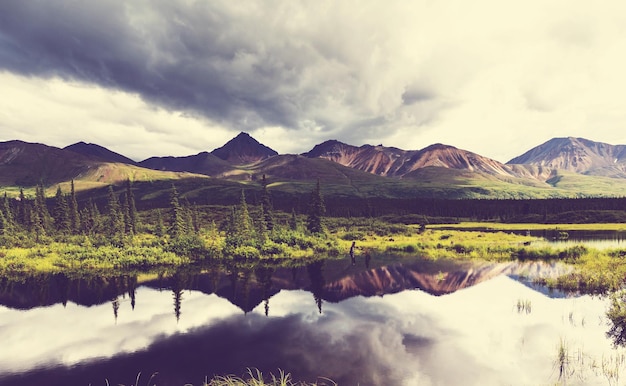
x: 475, y: 209
x: 185, y: 227
x: 39, y: 218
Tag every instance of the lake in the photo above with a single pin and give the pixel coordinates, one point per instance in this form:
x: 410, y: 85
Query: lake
x: 385, y: 321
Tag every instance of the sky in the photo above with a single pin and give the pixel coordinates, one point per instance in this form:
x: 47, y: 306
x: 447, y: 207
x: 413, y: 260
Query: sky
x: 177, y: 77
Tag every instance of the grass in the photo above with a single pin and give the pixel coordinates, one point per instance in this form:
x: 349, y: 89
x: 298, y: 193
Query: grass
x: 254, y: 377
x: 524, y: 227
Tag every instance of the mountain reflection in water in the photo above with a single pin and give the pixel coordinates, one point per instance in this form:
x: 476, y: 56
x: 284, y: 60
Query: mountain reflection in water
x: 326, y: 319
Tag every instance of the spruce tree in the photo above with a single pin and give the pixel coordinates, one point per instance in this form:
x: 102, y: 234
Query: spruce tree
x: 132, y: 209
x: 159, y: 230
x: 178, y: 218
x: 266, y: 204
x: 61, y: 213
x: 3, y: 223
x: 36, y: 222
x: 115, y: 224
x: 73, y: 208
x: 22, y: 217
x: 316, y: 210
x: 9, y: 222
x: 42, y: 209
x: 244, y: 221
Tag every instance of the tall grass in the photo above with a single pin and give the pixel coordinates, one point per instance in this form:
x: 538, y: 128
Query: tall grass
x: 254, y: 377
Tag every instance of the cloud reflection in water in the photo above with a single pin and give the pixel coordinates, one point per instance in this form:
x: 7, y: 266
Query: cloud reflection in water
x: 473, y: 337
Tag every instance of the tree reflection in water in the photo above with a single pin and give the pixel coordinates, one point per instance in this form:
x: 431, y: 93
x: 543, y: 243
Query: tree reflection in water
x: 617, y: 319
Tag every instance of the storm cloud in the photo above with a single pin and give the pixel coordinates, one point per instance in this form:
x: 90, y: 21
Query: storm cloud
x: 247, y: 65
x: 404, y: 74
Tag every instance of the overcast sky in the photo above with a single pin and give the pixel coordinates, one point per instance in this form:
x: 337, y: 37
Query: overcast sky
x: 176, y: 77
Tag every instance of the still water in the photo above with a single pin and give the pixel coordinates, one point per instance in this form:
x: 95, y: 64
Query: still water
x: 381, y: 322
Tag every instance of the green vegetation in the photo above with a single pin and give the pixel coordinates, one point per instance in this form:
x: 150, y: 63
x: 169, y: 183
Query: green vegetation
x: 254, y: 377
x: 66, y: 239
x: 109, y: 233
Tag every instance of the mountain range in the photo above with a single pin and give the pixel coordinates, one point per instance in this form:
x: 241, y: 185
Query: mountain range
x: 560, y: 167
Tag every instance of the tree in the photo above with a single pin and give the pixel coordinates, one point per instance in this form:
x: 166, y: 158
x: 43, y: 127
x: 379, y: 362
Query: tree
x: 62, y: 219
x: 42, y: 209
x: 73, y: 208
x: 22, y: 216
x: 115, y: 226
x: 159, y: 230
x: 178, y: 219
x: 266, y: 206
x: 131, y: 217
x: 241, y: 228
x: 7, y: 213
x: 316, y: 210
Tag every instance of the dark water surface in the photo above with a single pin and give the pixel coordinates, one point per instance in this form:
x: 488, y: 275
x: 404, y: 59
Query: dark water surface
x: 381, y: 323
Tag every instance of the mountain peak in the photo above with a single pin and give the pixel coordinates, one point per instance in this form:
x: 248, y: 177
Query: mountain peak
x: 243, y: 149
x: 577, y: 155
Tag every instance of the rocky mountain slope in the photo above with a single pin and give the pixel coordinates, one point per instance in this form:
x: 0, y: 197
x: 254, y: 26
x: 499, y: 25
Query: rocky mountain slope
x: 560, y: 167
x: 577, y: 155
x: 394, y: 162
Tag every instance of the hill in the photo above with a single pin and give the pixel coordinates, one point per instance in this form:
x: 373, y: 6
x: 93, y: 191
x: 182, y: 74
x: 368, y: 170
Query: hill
x: 99, y: 153
x: 201, y: 163
x: 24, y: 165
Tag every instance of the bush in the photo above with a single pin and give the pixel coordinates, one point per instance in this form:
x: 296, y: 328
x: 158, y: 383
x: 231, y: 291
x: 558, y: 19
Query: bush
x: 188, y: 245
x: 270, y: 248
x: 245, y: 252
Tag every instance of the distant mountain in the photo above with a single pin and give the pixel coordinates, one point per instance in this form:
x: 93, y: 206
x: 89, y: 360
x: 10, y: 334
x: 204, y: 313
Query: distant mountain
x: 577, y: 155
x: 99, y: 152
x: 201, y: 163
x: 243, y: 149
x: 24, y: 164
x: 28, y: 164
x: 394, y: 162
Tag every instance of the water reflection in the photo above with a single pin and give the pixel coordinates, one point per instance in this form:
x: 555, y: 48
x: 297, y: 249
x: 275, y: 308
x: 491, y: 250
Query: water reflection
x: 424, y: 330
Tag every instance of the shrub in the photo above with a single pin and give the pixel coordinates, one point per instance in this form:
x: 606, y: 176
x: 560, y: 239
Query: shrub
x: 245, y: 252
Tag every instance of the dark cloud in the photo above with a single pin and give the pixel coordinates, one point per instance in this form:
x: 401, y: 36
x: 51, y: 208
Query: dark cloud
x: 203, y: 57
x: 244, y: 65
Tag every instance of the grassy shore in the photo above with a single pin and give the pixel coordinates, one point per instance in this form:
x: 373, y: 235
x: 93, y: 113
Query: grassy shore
x: 595, y: 271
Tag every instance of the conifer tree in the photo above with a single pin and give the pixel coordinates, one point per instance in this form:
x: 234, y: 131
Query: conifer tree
x: 9, y: 223
x: 22, y: 217
x: 159, y: 230
x: 61, y: 213
x: 266, y: 205
x: 178, y: 218
x: 42, y: 209
x: 3, y: 224
x: 316, y: 210
x: 131, y: 226
x: 36, y: 222
x: 116, y: 219
x: 261, y: 228
x: 125, y: 213
x: 244, y: 223
x: 73, y: 208
x: 241, y: 228
x: 85, y: 221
